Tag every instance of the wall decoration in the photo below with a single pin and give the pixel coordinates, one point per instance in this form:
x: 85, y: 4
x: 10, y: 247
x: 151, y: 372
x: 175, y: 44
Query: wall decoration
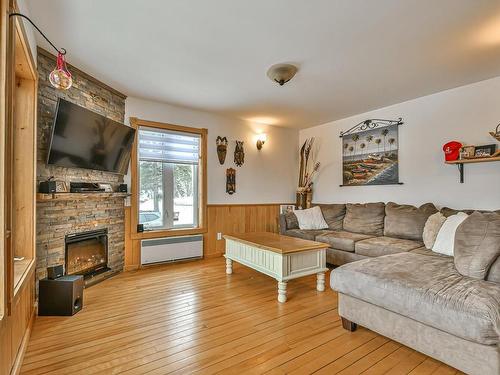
x: 485, y: 151
x: 307, y: 171
x: 370, y: 153
x: 496, y: 134
x: 230, y: 181
x: 221, y: 149
x: 239, y: 154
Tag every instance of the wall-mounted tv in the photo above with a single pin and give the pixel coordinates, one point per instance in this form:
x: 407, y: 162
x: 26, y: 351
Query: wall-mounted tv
x: 85, y: 139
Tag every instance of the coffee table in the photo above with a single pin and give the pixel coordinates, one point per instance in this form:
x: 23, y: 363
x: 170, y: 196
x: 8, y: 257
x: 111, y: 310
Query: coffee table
x: 281, y: 257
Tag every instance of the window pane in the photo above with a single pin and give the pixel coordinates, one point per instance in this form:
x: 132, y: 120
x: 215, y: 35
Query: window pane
x: 168, y: 179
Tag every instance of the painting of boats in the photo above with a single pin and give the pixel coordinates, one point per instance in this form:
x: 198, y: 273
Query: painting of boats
x: 371, y: 157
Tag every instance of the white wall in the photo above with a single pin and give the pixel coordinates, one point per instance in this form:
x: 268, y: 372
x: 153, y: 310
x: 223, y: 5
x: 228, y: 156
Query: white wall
x: 267, y: 176
x: 30, y: 31
x: 465, y: 114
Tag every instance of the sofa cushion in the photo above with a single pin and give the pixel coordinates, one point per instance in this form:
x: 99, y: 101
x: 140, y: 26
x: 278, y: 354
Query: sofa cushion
x: 405, y: 221
x: 291, y: 221
x: 334, y: 215
x: 494, y: 272
x: 477, y: 244
x: 342, y: 240
x: 427, y: 289
x: 365, y: 218
x: 446, y: 211
x: 306, y: 234
x: 311, y: 218
x: 377, y: 246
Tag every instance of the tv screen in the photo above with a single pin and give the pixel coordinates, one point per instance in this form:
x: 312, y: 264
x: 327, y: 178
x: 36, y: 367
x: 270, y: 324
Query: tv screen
x: 85, y: 139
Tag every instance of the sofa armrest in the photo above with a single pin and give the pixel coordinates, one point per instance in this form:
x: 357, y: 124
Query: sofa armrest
x: 282, y: 224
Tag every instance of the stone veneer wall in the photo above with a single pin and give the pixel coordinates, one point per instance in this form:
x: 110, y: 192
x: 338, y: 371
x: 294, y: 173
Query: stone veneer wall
x: 55, y: 219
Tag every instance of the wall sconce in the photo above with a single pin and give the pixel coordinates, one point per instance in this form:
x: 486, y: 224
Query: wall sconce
x: 261, y: 139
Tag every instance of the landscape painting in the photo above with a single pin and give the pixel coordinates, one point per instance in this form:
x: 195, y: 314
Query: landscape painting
x: 371, y: 157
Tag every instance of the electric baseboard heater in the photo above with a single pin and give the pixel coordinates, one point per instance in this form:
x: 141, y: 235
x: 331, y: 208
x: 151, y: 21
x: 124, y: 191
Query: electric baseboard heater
x: 171, y: 249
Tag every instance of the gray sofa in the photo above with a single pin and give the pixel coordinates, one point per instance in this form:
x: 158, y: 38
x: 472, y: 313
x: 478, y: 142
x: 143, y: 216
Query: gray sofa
x: 445, y: 307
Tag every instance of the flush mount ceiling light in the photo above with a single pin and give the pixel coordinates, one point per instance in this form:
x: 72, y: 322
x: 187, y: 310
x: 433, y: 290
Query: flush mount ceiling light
x: 281, y: 73
x: 60, y: 77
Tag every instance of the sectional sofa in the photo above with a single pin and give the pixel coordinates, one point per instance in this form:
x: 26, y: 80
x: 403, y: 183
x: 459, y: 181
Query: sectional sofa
x: 390, y: 283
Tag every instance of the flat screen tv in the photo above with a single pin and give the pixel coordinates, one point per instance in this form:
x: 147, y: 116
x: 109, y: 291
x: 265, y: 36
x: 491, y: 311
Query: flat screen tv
x: 85, y: 139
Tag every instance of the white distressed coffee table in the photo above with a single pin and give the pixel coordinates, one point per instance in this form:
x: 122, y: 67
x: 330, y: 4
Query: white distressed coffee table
x: 281, y: 257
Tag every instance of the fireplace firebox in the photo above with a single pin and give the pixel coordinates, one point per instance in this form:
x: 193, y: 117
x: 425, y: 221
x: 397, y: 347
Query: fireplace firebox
x: 86, y: 253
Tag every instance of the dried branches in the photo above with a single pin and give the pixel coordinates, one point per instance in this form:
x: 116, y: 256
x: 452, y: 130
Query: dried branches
x: 307, y: 155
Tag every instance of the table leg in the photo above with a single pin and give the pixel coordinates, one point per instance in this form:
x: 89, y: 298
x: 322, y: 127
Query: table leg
x: 320, y: 285
x: 282, y: 291
x: 229, y: 266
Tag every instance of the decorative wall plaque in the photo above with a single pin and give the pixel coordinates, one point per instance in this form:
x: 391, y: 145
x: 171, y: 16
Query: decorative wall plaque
x: 230, y: 180
x: 221, y: 149
x: 239, y: 154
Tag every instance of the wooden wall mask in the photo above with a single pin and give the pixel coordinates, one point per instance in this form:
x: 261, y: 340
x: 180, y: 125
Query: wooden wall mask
x: 230, y: 180
x: 221, y: 149
x: 239, y: 154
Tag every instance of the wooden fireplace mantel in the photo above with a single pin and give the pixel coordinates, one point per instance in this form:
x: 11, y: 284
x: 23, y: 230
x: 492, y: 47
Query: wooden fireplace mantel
x: 40, y: 197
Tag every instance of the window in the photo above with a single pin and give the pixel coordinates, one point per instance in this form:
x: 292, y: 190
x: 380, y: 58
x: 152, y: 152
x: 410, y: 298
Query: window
x: 168, y: 178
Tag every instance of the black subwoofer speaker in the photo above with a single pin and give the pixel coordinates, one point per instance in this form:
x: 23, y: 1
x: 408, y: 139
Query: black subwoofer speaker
x: 60, y: 297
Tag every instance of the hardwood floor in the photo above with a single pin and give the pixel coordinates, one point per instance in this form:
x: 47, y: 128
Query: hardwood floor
x: 192, y: 317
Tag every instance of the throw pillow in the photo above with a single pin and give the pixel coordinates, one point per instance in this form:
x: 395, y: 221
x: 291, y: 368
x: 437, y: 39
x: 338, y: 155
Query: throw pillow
x: 431, y: 229
x: 477, y: 244
x: 445, y: 240
x: 311, y: 218
x: 291, y: 221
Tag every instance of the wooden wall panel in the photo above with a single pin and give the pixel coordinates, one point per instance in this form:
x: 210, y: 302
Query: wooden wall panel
x: 231, y: 219
x: 16, y: 328
x: 225, y: 219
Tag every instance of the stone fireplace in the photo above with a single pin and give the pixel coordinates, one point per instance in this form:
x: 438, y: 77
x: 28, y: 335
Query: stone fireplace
x: 66, y: 216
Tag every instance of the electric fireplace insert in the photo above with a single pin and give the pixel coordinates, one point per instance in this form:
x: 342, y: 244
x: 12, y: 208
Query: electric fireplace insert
x: 86, y: 253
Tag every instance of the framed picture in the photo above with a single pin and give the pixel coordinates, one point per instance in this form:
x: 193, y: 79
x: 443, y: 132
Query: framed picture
x: 286, y: 208
x: 485, y: 151
x: 467, y: 152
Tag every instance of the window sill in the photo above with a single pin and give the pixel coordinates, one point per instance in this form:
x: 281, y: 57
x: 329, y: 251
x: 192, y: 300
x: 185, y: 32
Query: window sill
x: 167, y: 233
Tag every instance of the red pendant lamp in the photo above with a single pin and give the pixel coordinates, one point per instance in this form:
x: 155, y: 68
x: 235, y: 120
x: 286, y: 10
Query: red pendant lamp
x: 60, y: 77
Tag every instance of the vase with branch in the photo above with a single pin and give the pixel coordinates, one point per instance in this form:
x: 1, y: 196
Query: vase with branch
x: 308, y: 170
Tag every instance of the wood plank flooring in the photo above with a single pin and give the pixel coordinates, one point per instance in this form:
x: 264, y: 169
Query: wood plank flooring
x: 193, y: 318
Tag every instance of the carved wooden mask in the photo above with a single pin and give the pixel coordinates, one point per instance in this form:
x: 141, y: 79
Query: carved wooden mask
x: 221, y: 149
x: 239, y: 154
x: 230, y: 180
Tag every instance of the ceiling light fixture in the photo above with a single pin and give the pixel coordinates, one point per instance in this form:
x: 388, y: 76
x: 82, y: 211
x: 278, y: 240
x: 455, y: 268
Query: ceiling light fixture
x: 60, y: 77
x: 281, y: 73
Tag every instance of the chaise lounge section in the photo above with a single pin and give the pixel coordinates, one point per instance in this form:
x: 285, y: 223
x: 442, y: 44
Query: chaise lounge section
x: 443, y: 306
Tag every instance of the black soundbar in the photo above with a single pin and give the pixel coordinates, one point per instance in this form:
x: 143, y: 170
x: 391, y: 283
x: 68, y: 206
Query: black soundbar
x: 84, y: 187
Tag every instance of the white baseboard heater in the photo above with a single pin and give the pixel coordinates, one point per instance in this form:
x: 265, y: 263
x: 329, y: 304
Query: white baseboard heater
x: 171, y: 249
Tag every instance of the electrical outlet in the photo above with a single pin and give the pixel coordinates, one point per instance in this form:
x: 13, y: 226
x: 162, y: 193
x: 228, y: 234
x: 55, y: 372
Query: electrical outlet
x: 219, y: 236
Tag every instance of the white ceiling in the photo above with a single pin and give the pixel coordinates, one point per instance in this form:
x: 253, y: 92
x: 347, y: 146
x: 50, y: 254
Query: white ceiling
x: 353, y: 55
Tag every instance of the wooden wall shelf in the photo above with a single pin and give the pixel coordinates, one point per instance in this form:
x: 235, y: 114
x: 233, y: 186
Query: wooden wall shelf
x: 40, y: 197
x: 460, y: 164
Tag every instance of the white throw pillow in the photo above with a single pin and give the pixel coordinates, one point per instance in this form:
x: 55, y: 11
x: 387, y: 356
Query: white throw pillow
x: 311, y: 218
x: 431, y: 229
x: 445, y: 240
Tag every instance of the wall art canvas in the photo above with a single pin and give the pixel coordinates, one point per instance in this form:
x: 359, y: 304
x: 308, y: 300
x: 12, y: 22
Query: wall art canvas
x: 370, y: 157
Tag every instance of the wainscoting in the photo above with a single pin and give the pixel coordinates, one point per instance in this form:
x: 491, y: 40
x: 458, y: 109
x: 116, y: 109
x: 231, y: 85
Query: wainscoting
x: 221, y: 218
x: 15, y: 328
x: 237, y: 218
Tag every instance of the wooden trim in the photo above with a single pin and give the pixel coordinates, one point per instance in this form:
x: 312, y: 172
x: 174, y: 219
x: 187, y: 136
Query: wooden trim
x: 16, y: 367
x: 474, y: 160
x: 81, y: 73
x: 136, y: 123
x: 246, y: 204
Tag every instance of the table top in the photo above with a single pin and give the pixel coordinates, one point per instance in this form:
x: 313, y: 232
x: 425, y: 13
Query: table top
x: 276, y: 243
